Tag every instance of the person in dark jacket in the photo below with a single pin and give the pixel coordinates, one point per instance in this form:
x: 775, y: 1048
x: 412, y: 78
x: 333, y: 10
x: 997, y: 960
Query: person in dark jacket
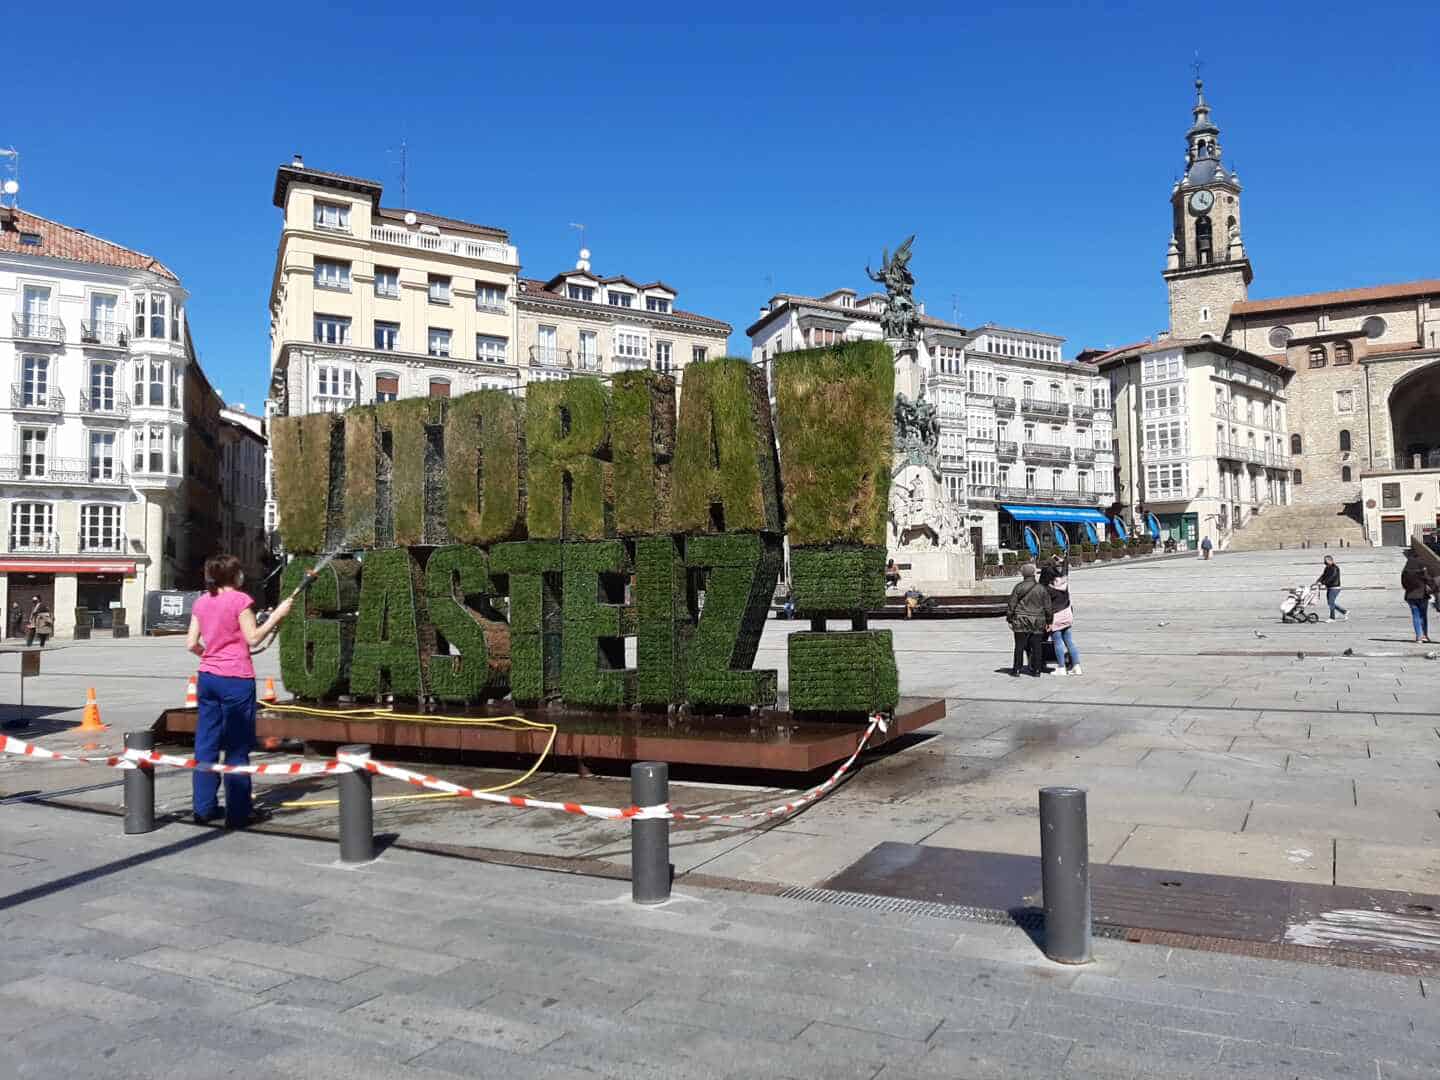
x: 1419, y: 587
x: 1329, y: 580
x: 1028, y: 613
x: 1056, y: 580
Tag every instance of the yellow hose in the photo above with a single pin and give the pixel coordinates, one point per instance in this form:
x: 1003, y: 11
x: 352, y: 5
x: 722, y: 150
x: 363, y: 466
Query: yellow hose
x: 510, y: 723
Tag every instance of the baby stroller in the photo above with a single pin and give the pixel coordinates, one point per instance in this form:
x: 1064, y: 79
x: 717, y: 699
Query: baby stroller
x: 1295, y: 607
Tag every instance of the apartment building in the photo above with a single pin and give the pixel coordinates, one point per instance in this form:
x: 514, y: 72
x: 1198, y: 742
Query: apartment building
x: 580, y: 322
x: 242, y: 486
x: 95, y: 339
x: 1019, y: 424
x: 1202, y: 431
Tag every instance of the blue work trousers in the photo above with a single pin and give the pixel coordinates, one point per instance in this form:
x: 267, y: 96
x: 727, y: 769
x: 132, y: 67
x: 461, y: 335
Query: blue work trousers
x: 226, y: 725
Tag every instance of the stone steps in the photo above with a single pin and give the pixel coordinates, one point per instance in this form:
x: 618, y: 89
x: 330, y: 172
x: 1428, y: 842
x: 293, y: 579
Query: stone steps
x: 1294, y: 525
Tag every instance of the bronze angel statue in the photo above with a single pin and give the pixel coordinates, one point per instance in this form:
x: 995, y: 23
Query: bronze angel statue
x: 899, y: 319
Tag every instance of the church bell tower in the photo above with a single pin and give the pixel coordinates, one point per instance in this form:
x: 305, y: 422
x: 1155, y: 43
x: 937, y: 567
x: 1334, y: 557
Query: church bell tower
x: 1206, y: 268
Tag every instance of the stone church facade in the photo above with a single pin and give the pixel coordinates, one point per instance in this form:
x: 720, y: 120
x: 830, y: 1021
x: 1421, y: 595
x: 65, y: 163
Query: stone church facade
x: 1365, y: 396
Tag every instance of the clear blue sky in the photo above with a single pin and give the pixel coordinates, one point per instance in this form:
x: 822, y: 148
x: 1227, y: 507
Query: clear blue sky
x: 1031, y: 149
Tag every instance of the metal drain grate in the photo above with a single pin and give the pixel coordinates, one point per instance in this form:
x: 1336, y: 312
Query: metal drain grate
x: 1025, y: 919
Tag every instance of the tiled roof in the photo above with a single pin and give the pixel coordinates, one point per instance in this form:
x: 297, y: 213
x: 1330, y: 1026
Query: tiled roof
x: 535, y: 288
x: 1164, y: 344
x: 1430, y: 287
x: 75, y: 245
x: 779, y: 300
x: 390, y: 213
x: 288, y: 174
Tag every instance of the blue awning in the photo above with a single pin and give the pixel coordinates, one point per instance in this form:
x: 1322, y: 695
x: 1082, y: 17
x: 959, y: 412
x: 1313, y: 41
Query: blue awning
x: 1055, y: 513
x: 1154, y: 523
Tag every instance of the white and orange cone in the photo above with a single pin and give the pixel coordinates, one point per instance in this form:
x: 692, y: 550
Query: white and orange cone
x: 268, y: 695
x: 90, y: 718
x: 192, y: 693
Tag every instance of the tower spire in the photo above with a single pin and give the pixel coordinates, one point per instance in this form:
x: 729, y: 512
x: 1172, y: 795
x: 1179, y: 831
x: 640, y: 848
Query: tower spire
x: 1202, y: 141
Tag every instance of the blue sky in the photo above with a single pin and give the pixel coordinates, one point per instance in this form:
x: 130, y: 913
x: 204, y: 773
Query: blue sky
x: 1031, y: 149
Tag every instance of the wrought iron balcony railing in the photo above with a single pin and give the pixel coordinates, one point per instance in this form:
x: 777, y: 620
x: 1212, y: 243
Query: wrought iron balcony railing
x: 1007, y: 450
x: 37, y: 327
x: 1004, y: 403
x: 1047, y: 451
x: 108, y: 334
x: 44, y: 469
x: 112, y: 404
x: 36, y: 400
x: 1038, y: 407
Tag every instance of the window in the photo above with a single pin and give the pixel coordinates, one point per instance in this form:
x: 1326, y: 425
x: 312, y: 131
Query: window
x: 104, y: 329
x: 698, y: 353
x: 100, y: 528
x: 1373, y: 327
x: 490, y: 349
x: 1297, y: 480
x: 1344, y: 354
x: 31, y: 526
x: 439, y: 387
x: 1082, y: 482
x: 1204, y: 314
x: 35, y: 381
x: 175, y: 386
x: 33, y: 457
x: 1165, y: 438
x: 149, y: 383
x: 1027, y: 390
x: 581, y: 292
x: 387, y: 282
x: 1030, y: 477
x: 1295, y: 444
x: 1344, y: 440
x: 657, y: 303
x: 1344, y: 401
x: 489, y: 297
x: 334, y: 387
x: 545, y: 350
x: 387, y: 387
x: 1203, y: 239
x: 1162, y: 367
x: 589, y: 349
x: 331, y: 274
x: 631, y: 346
x: 150, y: 316
x: 1057, y: 479
x: 820, y: 336
x: 1163, y: 400
x: 332, y: 216
x: 102, y: 455
x: 1390, y: 496
x: 619, y: 299
x: 1166, y: 481
x: 386, y: 335
x: 1029, y: 432
x: 1345, y: 473
x: 175, y: 443
x: 332, y: 330
x: 663, y: 351
x: 439, y: 289
x: 102, y: 386
x: 1317, y: 356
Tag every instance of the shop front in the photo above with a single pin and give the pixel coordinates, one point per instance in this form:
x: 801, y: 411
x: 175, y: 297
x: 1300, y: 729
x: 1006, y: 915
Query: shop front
x: 1028, y: 528
x: 99, y: 594
x: 98, y: 585
x: 1184, y: 529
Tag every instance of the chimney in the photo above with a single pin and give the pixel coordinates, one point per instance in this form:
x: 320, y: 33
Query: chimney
x: 297, y: 162
x: 920, y: 307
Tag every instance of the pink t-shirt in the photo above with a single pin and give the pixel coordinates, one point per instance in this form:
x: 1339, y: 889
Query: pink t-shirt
x: 226, y: 651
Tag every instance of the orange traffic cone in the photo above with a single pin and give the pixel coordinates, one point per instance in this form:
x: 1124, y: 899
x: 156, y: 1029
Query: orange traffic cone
x: 268, y: 695
x: 90, y: 718
x: 192, y: 694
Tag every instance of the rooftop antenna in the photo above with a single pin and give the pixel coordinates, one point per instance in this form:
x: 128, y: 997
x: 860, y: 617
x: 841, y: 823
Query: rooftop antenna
x: 404, y: 154
x: 1197, y: 64
x: 583, y: 262
x: 955, y: 308
x: 10, y: 177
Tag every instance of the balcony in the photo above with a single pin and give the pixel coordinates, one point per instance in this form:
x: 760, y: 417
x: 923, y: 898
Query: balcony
x: 118, y: 546
x: 1007, y: 451
x: 973, y: 398
x: 983, y: 492
x: 1035, y: 451
x: 53, y: 470
x: 36, y: 400
x: 34, y: 543
x: 587, y: 361
x: 952, y: 457
x: 114, y: 404
x: 107, y: 335
x: 1082, y: 412
x: 465, y: 247
x: 540, y: 356
x: 1047, y: 495
x: 1037, y: 407
x: 37, y: 328
x: 986, y: 446
x: 1004, y: 403
x: 1084, y: 454
x: 1228, y: 451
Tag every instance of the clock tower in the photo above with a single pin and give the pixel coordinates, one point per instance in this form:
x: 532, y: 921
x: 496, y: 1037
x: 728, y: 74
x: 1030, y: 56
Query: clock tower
x: 1206, y: 268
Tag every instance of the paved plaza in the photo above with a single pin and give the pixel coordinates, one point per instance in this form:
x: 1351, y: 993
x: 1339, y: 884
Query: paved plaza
x: 1207, y: 742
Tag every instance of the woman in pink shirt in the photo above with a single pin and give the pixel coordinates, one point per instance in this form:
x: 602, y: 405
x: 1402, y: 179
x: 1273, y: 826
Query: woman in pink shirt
x: 222, y: 633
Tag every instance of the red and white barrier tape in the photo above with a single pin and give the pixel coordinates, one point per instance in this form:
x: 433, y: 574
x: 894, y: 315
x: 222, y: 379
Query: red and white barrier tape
x: 345, y: 763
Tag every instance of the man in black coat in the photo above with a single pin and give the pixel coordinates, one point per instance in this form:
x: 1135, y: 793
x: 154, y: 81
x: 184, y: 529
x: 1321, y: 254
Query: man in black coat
x: 1329, y: 580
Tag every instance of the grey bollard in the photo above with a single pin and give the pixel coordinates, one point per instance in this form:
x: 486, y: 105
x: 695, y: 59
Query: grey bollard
x: 357, y: 813
x: 1065, y: 874
x: 140, y: 786
x: 650, y: 838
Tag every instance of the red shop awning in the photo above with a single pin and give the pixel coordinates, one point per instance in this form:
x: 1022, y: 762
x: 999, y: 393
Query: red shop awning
x: 64, y: 566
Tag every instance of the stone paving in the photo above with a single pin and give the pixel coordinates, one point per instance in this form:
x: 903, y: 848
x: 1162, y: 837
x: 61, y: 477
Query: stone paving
x: 194, y: 953
x: 1206, y: 742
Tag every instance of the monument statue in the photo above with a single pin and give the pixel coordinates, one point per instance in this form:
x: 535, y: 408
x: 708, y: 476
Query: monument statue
x: 917, y: 433
x: 900, y: 319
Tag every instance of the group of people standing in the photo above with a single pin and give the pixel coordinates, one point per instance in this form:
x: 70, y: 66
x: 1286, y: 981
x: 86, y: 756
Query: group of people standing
x: 1040, y: 607
x: 32, y: 621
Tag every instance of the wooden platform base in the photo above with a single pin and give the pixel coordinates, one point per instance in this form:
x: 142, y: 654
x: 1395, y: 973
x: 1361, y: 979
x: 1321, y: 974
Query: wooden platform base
x: 771, y: 739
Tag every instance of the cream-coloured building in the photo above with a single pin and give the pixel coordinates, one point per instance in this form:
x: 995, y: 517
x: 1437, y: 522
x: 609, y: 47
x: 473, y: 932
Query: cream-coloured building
x: 1201, y: 428
x: 578, y: 322
x: 1400, y: 504
x: 95, y: 339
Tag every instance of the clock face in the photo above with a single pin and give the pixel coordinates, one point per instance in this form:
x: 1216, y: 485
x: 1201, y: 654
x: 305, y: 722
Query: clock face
x: 1202, y: 201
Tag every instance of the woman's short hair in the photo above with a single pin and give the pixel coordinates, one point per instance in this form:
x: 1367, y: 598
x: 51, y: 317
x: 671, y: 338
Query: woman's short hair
x: 220, y: 571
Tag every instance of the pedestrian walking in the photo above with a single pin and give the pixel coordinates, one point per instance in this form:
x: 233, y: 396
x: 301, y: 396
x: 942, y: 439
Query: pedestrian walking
x: 16, y: 625
x: 1205, y: 546
x: 1329, y: 580
x: 1028, y: 613
x: 39, y: 623
x: 222, y: 633
x: 1419, y: 586
x: 1062, y: 618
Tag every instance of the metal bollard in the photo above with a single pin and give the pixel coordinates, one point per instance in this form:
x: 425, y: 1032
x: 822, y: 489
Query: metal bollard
x: 140, y: 786
x: 357, y: 813
x: 1065, y: 874
x: 649, y: 839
